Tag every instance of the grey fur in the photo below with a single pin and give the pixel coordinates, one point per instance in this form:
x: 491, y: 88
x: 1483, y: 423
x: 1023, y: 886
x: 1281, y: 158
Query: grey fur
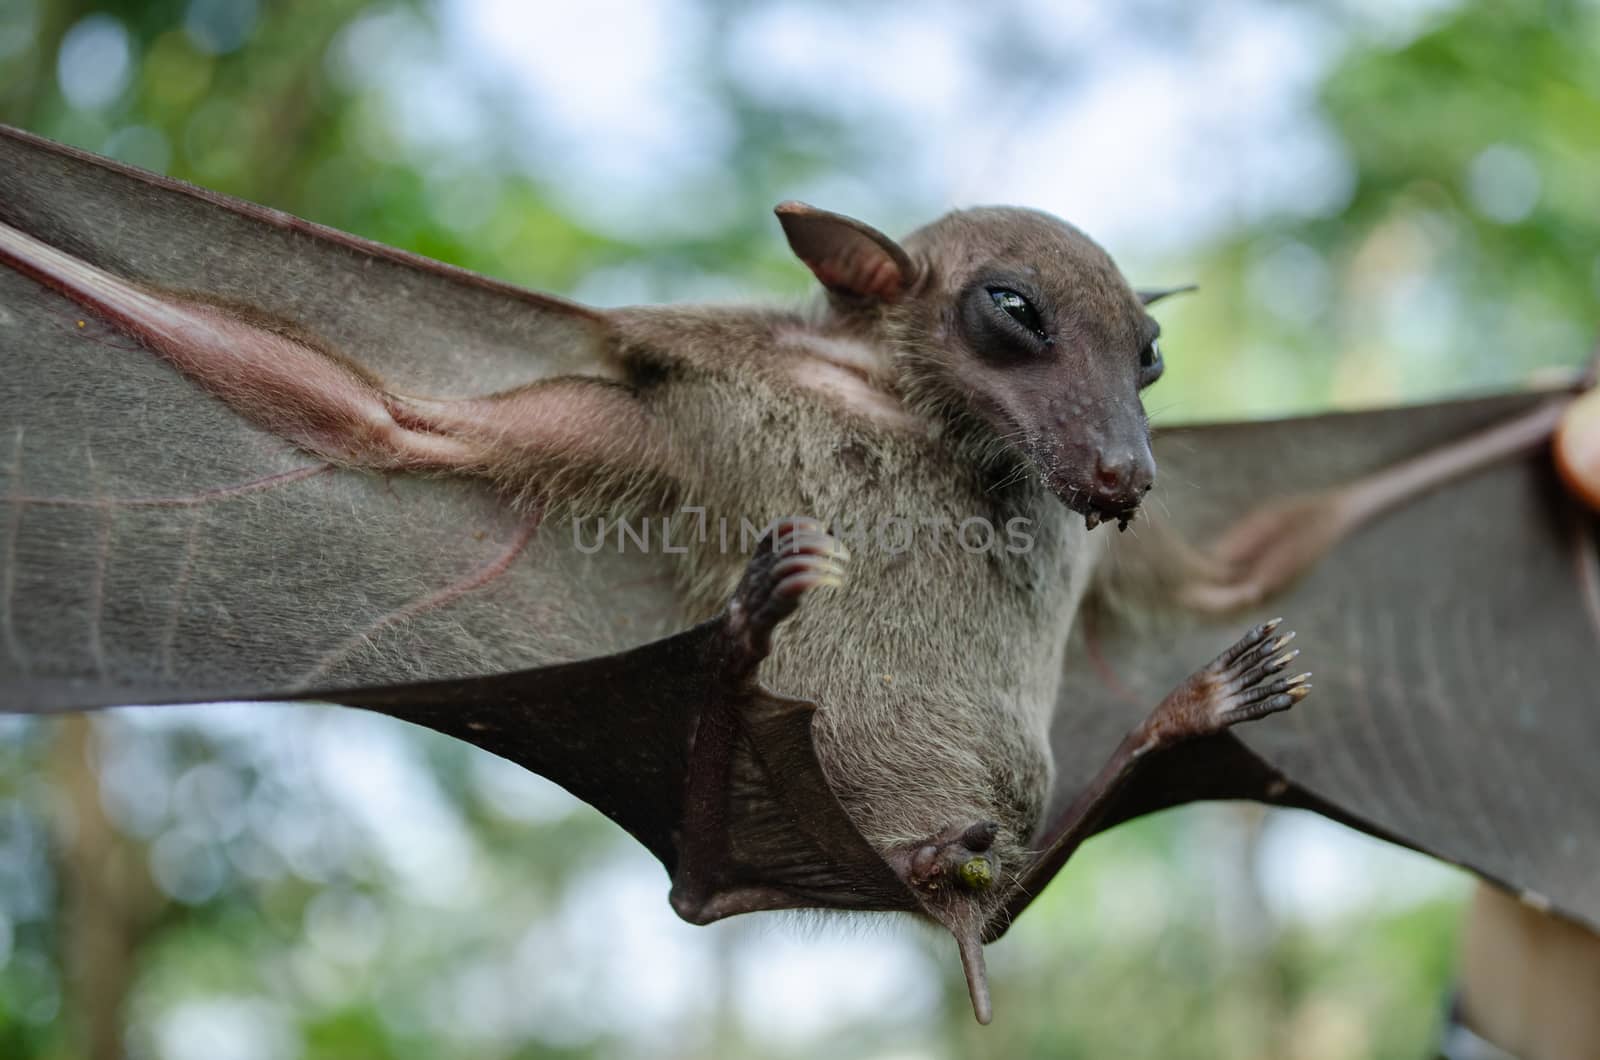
x: 937, y: 668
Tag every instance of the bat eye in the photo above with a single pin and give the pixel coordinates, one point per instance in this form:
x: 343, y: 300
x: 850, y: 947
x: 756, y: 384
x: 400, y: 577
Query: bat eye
x: 1019, y: 309
x: 977, y: 874
x: 1150, y: 366
x: 1150, y: 356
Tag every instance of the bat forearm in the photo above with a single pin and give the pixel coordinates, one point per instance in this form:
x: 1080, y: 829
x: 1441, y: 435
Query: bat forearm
x: 1273, y: 545
x: 1381, y: 491
x: 574, y: 430
x: 281, y: 382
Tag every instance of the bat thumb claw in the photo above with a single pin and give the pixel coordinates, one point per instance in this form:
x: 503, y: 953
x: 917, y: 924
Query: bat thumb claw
x: 977, y: 972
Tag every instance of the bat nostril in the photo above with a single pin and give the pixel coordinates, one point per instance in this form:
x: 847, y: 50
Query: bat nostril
x: 1118, y: 476
x: 1120, y: 480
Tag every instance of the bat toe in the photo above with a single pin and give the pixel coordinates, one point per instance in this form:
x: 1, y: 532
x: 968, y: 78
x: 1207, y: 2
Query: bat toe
x: 1242, y: 684
x: 1245, y: 681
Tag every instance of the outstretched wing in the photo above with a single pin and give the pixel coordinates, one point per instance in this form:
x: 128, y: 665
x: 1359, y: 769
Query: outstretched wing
x: 1454, y: 637
x: 155, y: 545
x: 159, y: 544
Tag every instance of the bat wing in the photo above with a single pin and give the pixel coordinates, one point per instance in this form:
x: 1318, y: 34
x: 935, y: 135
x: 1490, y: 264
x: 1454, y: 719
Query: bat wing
x: 155, y: 545
x: 1454, y: 637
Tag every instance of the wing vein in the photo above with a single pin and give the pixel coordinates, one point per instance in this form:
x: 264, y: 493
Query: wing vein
x: 192, y: 500
x: 430, y: 602
x: 169, y: 635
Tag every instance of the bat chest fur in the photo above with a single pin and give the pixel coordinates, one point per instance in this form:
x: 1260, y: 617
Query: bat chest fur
x: 937, y: 663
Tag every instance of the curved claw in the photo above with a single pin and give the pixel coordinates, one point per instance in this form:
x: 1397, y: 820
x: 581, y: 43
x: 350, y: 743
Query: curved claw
x: 1240, y: 685
x: 797, y: 556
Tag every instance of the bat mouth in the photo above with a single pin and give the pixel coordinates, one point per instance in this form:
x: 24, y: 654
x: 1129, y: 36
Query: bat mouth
x: 1080, y: 478
x: 1095, y: 507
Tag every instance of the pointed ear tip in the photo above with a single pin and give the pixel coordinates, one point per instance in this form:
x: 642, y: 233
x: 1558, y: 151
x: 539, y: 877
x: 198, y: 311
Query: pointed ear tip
x: 1149, y: 295
x: 792, y: 208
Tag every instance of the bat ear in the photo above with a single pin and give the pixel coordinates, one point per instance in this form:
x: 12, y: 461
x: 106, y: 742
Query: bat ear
x: 847, y: 256
x: 1147, y: 295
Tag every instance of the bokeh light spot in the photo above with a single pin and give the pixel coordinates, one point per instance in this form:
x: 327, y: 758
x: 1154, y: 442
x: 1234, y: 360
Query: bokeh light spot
x: 1503, y: 183
x: 95, y: 62
x: 219, y: 26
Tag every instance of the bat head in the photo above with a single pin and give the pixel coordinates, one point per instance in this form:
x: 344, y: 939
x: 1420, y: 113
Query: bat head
x: 1015, y: 327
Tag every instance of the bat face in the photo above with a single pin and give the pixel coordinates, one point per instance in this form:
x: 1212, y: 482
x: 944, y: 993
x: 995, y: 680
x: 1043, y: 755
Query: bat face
x: 1048, y: 346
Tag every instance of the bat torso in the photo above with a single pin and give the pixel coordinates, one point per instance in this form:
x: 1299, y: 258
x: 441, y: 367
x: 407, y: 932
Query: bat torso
x: 937, y: 663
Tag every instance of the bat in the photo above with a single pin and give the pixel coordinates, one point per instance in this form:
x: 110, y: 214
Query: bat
x: 254, y: 458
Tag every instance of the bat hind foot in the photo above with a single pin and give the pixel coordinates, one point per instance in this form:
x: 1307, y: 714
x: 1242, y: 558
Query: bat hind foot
x: 1242, y: 684
x: 796, y: 557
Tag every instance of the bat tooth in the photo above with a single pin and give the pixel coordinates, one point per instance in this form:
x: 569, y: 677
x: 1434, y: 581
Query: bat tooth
x: 1091, y: 518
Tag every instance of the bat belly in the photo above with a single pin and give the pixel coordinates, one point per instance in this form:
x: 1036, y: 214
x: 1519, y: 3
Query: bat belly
x: 935, y: 664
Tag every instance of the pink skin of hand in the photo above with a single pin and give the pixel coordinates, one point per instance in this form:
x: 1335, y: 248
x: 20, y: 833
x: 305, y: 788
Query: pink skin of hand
x: 1577, y: 448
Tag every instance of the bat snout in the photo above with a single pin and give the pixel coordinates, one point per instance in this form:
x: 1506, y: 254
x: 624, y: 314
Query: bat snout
x: 1097, y: 463
x: 1121, y: 479
x: 1104, y: 484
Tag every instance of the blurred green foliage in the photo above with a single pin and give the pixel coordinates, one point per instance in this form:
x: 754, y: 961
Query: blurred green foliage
x: 1465, y: 253
x: 238, y: 910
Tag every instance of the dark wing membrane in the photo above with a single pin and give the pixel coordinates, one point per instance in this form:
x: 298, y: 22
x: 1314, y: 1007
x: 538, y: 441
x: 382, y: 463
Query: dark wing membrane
x: 625, y: 731
x: 1455, y: 643
x: 155, y: 546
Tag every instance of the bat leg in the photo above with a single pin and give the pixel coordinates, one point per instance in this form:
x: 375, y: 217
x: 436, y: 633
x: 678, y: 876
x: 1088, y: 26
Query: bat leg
x: 1242, y: 684
x: 795, y: 558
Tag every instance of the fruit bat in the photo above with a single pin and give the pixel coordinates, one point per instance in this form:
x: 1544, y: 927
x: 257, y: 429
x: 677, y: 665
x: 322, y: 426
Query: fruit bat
x: 815, y: 604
